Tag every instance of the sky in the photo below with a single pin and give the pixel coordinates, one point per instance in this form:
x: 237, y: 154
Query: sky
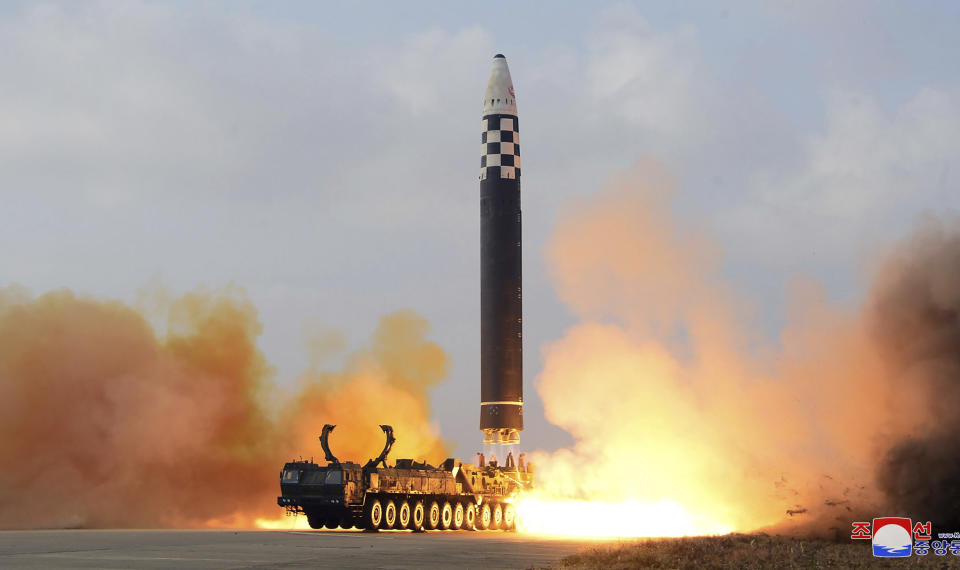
x: 324, y: 156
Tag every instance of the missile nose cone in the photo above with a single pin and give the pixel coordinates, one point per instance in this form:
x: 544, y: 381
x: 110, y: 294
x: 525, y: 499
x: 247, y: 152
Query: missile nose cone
x: 499, y: 97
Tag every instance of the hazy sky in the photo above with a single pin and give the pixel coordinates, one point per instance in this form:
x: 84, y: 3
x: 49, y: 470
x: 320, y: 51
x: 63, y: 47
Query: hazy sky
x: 325, y: 156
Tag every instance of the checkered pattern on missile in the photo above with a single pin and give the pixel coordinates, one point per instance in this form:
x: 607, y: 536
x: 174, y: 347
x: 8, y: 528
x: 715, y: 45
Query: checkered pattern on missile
x: 500, y: 154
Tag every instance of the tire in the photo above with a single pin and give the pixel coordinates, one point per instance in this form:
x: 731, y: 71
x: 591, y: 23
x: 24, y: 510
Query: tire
x: 331, y: 522
x: 458, y: 516
x: 417, y: 516
x: 389, y: 515
x: 509, y: 517
x: 315, y: 519
x: 373, y: 515
x: 470, y: 516
x: 485, y: 517
x: 346, y: 520
x: 403, y: 515
x: 446, y: 516
x: 432, y: 519
x: 497, y: 517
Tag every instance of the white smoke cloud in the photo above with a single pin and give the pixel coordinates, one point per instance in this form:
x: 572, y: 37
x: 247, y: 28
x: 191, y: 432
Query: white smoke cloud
x: 649, y: 77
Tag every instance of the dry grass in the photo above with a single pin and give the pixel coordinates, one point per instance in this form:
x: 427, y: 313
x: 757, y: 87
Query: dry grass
x: 744, y: 551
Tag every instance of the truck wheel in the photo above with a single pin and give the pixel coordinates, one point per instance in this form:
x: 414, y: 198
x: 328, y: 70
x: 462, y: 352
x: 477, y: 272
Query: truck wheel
x: 457, y: 516
x: 346, y: 520
x: 373, y: 515
x: 416, y: 517
x: 433, y: 515
x: 331, y: 522
x: 315, y: 519
x: 497, y: 517
x: 403, y: 515
x: 470, y: 516
x: 485, y: 518
x: 446, y: 515
x: 389, y: 515
x: 509, y: 517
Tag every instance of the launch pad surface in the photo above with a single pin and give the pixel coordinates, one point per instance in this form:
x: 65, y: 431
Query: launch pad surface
x: 271, y: 549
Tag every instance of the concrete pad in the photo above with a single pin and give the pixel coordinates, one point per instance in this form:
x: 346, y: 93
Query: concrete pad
x: 270, y: 549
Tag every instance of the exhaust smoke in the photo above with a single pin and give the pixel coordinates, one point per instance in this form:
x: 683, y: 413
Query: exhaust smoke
x: 105, y: 423
x: 674, y: 399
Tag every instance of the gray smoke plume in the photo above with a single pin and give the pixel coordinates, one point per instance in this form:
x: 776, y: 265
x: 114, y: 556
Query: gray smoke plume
x: 916, y: 323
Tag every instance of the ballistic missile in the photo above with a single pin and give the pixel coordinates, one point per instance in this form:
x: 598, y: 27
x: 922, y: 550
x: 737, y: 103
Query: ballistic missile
x: 501, y: 326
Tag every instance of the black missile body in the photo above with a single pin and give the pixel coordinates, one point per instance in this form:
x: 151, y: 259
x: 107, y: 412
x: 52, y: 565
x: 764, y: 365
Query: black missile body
x: 501, y: 335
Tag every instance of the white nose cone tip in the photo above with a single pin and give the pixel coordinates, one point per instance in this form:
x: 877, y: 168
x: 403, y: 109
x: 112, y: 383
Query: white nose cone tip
x: 499, y: 98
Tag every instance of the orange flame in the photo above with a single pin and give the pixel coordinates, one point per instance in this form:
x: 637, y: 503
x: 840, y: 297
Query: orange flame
x: 679, y: 413
x: 630, y: 518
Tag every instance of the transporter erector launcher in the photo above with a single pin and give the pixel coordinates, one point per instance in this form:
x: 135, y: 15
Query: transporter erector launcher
x: 501, y: 338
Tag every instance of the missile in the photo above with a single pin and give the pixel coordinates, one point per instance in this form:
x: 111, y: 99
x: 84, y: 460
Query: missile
x: 501, y: 327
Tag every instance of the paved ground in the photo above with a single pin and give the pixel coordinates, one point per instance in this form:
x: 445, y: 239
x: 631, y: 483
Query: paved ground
x: 272, y: 549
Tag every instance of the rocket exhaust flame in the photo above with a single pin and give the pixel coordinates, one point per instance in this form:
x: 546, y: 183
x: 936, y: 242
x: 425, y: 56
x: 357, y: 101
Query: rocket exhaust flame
x: 283, y: 523
x: 631, y: 518
x: 676, y: 409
